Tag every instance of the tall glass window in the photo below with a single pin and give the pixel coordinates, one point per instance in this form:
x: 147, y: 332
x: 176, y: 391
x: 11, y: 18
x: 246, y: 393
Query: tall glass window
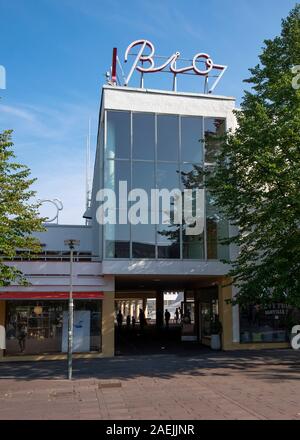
x: 192, y: 139
x: 192, y: 245
x: 168, y: 235
x: 216, y: 230
x: 160, y: 151
x: 117, y: 240
x: 143, y: 136
x: 167, y: 137
x: 214, y: 129
x: 116, y: 171
x: 118, y: 135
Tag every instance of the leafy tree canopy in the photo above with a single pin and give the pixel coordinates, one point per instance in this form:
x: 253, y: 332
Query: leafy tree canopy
x: 256, y: 181
x: 18, y: 216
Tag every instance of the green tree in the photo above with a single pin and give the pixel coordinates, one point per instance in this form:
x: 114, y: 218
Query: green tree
x: 256, y: 181
x: 18, y: 216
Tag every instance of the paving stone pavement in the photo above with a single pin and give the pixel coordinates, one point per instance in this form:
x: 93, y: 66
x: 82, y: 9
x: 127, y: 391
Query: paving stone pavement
x: 204, y: 385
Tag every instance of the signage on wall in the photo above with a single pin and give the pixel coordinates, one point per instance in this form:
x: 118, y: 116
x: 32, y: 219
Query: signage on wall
x: 145, y: 61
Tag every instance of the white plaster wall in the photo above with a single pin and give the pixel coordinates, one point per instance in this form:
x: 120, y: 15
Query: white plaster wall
x: 54, y: 276
x: 188, y: 104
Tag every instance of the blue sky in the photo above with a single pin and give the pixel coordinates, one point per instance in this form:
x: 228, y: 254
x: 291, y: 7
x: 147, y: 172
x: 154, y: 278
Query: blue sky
x: 56, y: 53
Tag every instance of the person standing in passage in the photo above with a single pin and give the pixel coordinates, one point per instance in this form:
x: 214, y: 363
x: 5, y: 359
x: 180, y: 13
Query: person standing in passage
x: 128, y: 321
x: 167, y: 317
x: 142, y: 319
x: 176, y: 315
x: 119, y: 319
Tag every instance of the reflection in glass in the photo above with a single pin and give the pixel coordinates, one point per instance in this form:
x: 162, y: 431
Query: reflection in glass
x: 213, y: 129
x: 117, y: 240
x: 143, y: 136
x: 118, y: 135
x: 217, y: 229
x: 29, y: 332
x: 192, y: 246
x: 269, y: 323
x: 167, y: 176
x: 192, y: 178
x: 167, y: 137
x: 116, y: 170
x: 143, y: 176
x: 191, y: 139
x: 168, y: 241
x: 143, y: 241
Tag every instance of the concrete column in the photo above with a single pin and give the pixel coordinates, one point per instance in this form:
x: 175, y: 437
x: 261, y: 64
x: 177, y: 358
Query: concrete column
x: 123, y: 308
x: 145, y: 306
x: 225, y: 315
x: 235, y: 318
x: 159, y: 308
x: 108, y: 325
x: 131, y: 309
x: 136, y: 309
x: 2, y: 318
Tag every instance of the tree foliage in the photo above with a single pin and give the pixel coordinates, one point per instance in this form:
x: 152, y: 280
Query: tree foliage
x: 257, y: 178
x: 18, y: 216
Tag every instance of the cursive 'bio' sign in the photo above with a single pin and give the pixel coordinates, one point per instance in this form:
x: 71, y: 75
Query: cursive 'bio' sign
x: 142, y: 58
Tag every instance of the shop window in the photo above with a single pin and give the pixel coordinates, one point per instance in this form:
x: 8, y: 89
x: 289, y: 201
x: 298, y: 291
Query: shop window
x: 269, y: 323
x: 40, y: 327
x: 209, y: 315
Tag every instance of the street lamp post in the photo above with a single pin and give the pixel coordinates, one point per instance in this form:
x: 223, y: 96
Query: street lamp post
x: 71, y: 243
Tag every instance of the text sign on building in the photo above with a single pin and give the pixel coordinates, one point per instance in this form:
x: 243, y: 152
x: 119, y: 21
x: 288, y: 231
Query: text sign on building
x: 145, y: 61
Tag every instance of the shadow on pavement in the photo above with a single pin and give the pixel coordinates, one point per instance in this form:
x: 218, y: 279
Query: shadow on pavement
x: 265, y: 365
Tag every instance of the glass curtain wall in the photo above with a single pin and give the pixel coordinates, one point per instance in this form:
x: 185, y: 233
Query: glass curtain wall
x: 151, y: 151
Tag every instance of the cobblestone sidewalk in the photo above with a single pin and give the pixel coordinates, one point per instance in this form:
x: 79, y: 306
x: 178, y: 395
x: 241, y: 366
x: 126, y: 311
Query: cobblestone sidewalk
x: 256, y: 385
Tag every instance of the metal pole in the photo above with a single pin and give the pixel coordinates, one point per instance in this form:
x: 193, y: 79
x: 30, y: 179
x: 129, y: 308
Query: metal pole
x: 71, y: 316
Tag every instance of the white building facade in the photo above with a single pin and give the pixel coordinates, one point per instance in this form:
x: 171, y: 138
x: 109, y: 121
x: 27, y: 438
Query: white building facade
x: 149, y: 139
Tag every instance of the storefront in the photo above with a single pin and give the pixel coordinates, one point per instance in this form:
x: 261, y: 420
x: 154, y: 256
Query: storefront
x: 40, y: 327
x: 34, y: 318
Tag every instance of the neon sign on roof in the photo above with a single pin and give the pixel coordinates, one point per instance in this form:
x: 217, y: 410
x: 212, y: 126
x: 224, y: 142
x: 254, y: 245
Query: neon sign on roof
x: 145, y: 61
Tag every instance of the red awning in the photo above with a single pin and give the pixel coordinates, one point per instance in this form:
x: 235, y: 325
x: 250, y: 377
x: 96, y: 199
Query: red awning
x: 50, y: 295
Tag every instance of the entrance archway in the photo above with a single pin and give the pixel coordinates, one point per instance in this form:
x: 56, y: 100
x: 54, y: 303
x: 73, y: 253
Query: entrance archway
x: 144, y: 297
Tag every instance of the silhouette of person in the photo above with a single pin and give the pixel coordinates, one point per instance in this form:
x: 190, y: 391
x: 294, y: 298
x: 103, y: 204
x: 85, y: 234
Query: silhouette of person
x: 119, y: 319
x: 142, y: 319
x: 128, y: 320
x: 167, y: 317
x: 133, y: 322
x: 176, y: 314
x: 21, y: 336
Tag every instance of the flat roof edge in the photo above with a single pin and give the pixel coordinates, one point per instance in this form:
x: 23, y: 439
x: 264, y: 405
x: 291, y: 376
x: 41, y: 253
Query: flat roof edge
x: 55, y: 225
x: 168, y: 92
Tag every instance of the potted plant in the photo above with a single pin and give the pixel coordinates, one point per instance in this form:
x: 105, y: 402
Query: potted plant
x: 216, y: 330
